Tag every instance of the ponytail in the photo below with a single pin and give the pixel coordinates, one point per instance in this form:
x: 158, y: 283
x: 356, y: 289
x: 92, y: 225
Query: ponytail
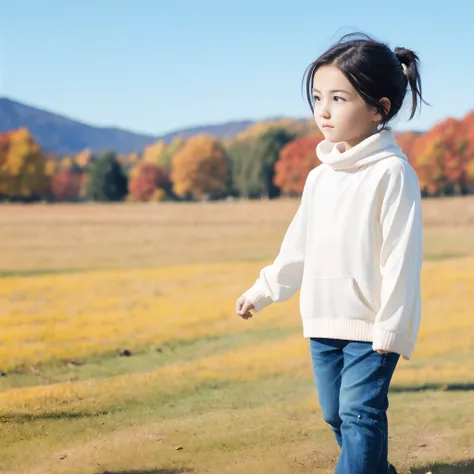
x: 411, y: 68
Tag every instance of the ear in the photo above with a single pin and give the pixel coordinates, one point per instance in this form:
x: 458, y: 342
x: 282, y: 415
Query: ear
x: 386, y: 104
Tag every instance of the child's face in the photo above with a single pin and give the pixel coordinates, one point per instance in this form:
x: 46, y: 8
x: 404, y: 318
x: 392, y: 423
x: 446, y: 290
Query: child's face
x: 340, y: 112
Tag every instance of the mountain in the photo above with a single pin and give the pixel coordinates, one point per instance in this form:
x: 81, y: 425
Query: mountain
x: 56, y: 133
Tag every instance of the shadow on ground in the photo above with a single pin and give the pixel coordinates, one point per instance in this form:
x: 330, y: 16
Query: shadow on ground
x: 29, y: 417
x: 462, y: 467
x: 446, y: 387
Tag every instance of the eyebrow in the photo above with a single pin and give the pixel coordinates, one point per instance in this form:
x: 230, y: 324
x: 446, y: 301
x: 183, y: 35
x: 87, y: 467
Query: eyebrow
x: 334, y: 90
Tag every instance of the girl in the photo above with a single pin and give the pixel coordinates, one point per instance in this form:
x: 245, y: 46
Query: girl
x: 354, y: 246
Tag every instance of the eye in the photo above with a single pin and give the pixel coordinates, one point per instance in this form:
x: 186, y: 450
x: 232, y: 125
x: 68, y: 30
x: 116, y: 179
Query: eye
x: 316, y: 98
x: 338, y: 97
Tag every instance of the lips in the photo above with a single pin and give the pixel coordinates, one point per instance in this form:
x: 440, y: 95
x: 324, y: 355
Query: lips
x: 327, y: 126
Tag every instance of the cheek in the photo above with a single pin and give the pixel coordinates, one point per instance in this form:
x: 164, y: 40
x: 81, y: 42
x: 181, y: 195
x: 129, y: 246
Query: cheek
x: 358, y: 116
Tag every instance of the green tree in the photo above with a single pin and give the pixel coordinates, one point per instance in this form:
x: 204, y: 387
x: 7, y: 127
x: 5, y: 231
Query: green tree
x: 254, y: 160
x: 266, y: 154
x: 245, y: 180
x: 107, y: 180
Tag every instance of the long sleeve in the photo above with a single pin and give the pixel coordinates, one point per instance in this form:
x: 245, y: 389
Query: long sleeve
x: 280, y: 280
x: 398, y: 320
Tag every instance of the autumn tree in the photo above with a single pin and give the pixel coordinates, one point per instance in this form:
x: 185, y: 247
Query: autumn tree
x: 297, y: 159
x: 106, y: 180
x: 201, y: 169
x: 292, y: 126
x: 66, y: 185
x: 442, y: 159
x: 165, y: 158
x: 161, y: 153
x: 150, y: 182
x: 84, y: 159
x: 407, y: 141
x: 22, y: 167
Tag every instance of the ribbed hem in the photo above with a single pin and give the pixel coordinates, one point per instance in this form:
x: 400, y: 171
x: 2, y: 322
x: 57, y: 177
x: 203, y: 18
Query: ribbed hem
x: 358, y: 330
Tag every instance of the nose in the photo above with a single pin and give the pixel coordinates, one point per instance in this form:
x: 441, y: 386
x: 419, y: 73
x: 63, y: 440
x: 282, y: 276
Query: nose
x: 324, y: 110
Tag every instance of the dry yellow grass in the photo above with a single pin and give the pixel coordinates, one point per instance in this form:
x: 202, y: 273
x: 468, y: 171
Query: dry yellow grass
x: 91, y: 236
x: 210, y: 253
x: 79, y: 316
x: 83, y: 315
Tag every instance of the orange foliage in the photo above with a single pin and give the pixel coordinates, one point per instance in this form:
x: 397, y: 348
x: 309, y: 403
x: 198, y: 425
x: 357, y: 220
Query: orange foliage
x: 443, y: 157
x: 407, y: 142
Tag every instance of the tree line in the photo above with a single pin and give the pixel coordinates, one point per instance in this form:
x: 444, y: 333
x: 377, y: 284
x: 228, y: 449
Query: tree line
x: 267, y: 160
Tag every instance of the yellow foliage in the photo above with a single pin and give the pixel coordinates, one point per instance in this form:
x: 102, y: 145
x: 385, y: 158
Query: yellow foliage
x: 83, y: 158
x: 23, y: 168
x: 151, y: 153
x: 200, y: 167
x: 51, y: 167
x: 159, y: 195
x: 66, y: 162
x: 299, y: 127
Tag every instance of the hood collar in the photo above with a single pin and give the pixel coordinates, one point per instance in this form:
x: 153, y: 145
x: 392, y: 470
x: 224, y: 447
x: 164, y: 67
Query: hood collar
x: 374, y: 148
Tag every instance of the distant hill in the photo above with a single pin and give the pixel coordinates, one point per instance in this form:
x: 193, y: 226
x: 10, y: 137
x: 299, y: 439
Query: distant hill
x: 56, y: 133
x: 62, y: 135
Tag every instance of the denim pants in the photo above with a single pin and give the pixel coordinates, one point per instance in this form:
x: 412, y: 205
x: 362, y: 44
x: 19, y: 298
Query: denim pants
x: 352, y: 382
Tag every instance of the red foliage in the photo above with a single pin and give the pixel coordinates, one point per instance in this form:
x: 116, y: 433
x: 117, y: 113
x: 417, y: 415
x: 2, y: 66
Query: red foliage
x: 150, y: 177
x: 66, y: 185
x: 407, y: 141
x: 297, y: 159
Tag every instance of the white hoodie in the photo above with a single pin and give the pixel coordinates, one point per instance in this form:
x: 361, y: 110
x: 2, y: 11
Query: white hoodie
x: 354, y: 248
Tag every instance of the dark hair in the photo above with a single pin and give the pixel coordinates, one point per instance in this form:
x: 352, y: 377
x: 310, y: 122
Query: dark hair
x: 374, y: 70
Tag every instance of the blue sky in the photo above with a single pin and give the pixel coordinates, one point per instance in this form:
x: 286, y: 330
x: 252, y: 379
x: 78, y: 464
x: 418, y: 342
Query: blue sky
x: 155, y: 66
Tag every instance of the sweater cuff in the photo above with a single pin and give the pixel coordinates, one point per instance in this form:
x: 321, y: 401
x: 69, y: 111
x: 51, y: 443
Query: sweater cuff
x: 257, y: 298
x: 392, y: 342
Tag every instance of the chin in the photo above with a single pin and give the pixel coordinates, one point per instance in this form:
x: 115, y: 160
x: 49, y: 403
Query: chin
x: 331, y: 135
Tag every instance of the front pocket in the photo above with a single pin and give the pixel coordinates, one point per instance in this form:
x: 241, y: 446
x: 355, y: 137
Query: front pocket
x: 336, y: 297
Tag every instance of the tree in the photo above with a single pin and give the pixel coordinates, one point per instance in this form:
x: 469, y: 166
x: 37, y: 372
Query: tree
x: 162, y: 154
x: 245, y: 180
x: 266, y: 154
x: 107, y: 181
x: 23, y: 174
x: 149, y: 178
x: 407, y: 141
x: 66, y: 185
x: 201, y: 169
x: 297, y: 159
x: 442, y: 159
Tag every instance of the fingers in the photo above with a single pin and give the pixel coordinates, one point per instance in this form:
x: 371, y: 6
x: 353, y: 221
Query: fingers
x: 246, y: 307
x: 238, y: 305
x: 243, y: 307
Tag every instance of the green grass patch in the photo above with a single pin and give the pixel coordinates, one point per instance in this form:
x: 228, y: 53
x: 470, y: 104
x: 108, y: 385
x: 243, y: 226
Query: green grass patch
x: 148, y: 359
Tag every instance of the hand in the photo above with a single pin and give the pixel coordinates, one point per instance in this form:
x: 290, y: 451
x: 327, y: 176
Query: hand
x: 243, y: 307
x: 383, y: 352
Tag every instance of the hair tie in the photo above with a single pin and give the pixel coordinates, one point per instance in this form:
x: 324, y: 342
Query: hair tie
x: 405, y: 69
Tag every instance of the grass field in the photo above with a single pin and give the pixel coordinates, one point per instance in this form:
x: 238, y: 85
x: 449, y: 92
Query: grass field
x: 203, y: 391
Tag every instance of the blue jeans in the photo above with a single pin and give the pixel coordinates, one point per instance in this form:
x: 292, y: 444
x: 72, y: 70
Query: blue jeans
x: 352, y: 382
